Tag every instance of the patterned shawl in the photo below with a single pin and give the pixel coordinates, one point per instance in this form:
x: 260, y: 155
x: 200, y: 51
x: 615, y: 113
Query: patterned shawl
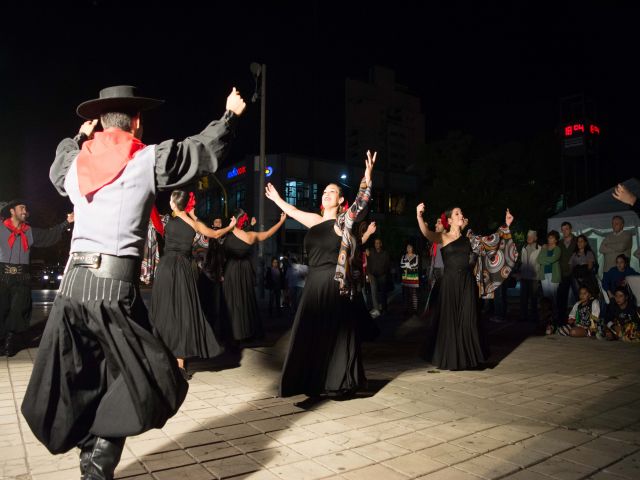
x: 496, y: 256
x: 345, y: 222
x: 151, y: 256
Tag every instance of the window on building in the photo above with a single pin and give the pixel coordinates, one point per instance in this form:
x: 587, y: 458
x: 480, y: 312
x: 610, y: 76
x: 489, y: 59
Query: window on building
x: 301, y: 194
x: 238, y: 196
x: 397, y: 203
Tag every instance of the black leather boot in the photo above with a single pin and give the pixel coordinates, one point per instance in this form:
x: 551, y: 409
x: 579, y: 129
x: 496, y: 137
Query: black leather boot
x: 10, y: 344
x: 99, y: 461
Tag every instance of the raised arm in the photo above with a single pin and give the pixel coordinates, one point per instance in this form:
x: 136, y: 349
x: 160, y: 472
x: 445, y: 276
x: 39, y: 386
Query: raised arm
x: 482, y: 243
x: 358, y: 209
x: 433, y: 237
x: 346, y: 221
x: 178, y: 163
x: 45, y: 237
x: 67, y: 150
x: 261, y: 236
x: 307, y: 219
x: 210, y: 232
x: 371, y: 229
x: 623, y: 195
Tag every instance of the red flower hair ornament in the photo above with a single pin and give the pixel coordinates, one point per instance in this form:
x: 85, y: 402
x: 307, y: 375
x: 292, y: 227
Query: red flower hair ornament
x: 242, y: 221
x: 445, y: 222
x: 191, y: 203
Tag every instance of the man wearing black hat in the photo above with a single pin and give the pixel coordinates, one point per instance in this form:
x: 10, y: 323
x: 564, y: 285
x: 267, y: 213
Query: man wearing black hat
x: 17, y: 238
x: 101, y: 374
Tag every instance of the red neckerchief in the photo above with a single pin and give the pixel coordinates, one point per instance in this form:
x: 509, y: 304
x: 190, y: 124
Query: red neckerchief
x: 102, y: 159
x: 435, y: 249
x: 15, y: 232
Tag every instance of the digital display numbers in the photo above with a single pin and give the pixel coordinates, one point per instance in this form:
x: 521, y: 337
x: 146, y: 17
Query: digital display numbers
x: 581, y: 129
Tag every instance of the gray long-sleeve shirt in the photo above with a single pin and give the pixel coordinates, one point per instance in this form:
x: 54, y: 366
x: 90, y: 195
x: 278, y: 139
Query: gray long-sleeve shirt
x: 36, y: 237
x: 114, y: 219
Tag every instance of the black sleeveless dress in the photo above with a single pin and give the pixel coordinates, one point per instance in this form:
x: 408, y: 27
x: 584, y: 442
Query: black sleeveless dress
x: 324, y: 351
x: 239, y: 289
x: 457, y: 343
x: 175, y: 305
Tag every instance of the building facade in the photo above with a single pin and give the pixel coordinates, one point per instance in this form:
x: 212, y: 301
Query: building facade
x: 300, y: 180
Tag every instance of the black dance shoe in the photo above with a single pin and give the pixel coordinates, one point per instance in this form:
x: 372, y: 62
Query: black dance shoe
x: 186, y: 375
x: 9, y: 347
x: 99, y: 461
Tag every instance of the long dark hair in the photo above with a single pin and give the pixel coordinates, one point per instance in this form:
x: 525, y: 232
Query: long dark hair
x: 587, y: 247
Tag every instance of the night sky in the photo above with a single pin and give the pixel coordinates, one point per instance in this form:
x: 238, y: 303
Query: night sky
x: 496, y: 70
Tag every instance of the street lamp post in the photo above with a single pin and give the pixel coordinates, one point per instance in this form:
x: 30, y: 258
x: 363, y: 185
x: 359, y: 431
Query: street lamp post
x: 224, y: 195
x: 259, y: 72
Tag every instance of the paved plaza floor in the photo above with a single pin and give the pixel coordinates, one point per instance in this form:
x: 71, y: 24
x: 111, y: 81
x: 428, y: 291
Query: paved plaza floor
x: 545, y: 408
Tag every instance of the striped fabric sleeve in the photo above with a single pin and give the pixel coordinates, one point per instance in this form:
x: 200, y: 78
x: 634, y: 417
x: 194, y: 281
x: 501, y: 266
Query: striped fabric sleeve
x: 345, y: 222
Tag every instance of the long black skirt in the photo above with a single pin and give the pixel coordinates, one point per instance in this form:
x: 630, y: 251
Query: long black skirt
x: 240, y: 297
x: 99, y: 369
x: 324, y: 350
x: 176, y: 312
x: 457, y: 341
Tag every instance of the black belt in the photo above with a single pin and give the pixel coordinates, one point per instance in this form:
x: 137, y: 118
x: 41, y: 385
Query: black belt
x: 14, y: 268
x: 102, y: 265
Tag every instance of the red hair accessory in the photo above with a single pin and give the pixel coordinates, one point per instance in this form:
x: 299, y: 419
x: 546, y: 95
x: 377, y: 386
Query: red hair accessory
x: 191, y: 203
x: 445, y: 222
x: 157, y: 221
x: 240, y: 222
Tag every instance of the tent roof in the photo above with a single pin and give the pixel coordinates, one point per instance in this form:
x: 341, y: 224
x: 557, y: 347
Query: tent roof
x: 601, y: 203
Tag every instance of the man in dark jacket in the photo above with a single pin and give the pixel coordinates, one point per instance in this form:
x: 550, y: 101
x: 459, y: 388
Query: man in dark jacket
x: 378, y: 270
x: 568, y: 245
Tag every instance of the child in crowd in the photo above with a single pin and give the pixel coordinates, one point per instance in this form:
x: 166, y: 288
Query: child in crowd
x: 622, y: 321
x: 583, y: 319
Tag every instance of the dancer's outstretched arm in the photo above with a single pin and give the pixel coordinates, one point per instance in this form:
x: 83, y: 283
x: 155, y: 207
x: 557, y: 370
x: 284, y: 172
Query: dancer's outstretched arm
x: 261, y: 236
x: 210, y: 232
x: 433, y: 237
x: 307, y: 219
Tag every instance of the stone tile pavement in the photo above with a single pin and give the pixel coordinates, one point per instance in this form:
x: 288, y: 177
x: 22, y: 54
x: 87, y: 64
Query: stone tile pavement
x: 550, y: 408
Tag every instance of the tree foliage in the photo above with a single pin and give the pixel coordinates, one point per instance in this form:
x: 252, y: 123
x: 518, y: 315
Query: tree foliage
x: 484, y: 180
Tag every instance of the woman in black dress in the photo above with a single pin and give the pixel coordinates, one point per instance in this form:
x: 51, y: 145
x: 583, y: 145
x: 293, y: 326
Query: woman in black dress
x: 175, y: 305
x: 324, y: 351
x: 240, y: 278
x: 457, y: 343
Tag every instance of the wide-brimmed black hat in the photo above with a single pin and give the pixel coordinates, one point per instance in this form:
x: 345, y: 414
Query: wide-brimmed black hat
x: 5, y: 213
x: 121, y: 98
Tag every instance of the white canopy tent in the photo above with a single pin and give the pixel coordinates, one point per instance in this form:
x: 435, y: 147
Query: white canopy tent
x: 592, y: 218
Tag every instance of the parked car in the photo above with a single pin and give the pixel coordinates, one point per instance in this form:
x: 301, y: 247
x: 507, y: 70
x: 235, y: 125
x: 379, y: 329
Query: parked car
x: 51, y: 276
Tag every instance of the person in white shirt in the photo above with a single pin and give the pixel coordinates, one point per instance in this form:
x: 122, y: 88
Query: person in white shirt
x: 529, y: 273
